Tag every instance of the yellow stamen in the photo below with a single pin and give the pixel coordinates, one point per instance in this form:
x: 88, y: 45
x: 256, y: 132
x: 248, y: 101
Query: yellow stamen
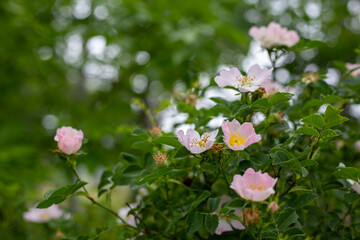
x: 202, y: 141
x: 252, y: 187
x: 237, y: 139
x: 245, y: 79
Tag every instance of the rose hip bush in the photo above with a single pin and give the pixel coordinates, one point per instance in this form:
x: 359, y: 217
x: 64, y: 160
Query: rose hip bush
x: 280, y: 177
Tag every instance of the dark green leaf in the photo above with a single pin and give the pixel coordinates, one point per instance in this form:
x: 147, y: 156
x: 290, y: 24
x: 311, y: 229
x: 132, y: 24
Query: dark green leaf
x: 171, y: 141
x: 194, y: 221
x: 304, y: 199
x: 159, y: 173
x: 214, y: 203
x: 182, y: 152
x: 347, y: 173
x: 61, y: 194
x: 129, y: 157
x: 174, y: 220
x: 211, y: 223
x: 204, y: 195
x: 280, y: 97
x: 286, y: 217
x: 294, y: 232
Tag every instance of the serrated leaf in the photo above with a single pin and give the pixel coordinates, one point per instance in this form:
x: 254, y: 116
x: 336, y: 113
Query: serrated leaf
x: 280, y: 157
x: 211, y: 223
x: 194, y: 221
x: 170, y: 141
x: 214, y: 204
x: 308, y: 163
x: 304, y: 199
x: 280, y: 97
x: 294, y: 232
x: 61, y: 194
x: 329, y: 133
x: 261, y: 103
x: 204, y: 195
x: 174, y: 220
x: 314, y: 120
x: 159, y: 173
x: 129, y: 157
x: 181, y: 153
x: 330, y: 112
x: 336, y: 120
x: 286, y: 217
x: 308, y: 131
x: 347, y: 173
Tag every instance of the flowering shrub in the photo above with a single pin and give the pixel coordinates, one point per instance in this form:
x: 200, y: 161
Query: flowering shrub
x: 276, y: 178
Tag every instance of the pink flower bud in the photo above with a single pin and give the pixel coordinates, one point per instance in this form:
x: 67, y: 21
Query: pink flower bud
x: 273, y: 207
x: 69, y: 139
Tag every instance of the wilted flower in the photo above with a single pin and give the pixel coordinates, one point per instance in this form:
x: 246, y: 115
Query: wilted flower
x: 43, y: 215
x: 237, y: 136
x: 69, y: 139
x: 194, y: 143
x: 160, y: 158
x: 354, y: 185
x: 155, y: 131
x: 274, y: 35
x: 254, y: 186
x: 227, y: 224
x: 310, y: 77
x: 251, y: 82
x: 251, y: 216
x: 273, y: 207
x: 351, y: 66
x: 191, y: 99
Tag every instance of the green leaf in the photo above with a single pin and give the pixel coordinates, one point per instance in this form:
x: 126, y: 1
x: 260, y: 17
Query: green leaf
x: 181, y: 153
x: 280, y: 157
x: 141, y: 144
x: 211, y: 223
x: 132, y: 170
x: 235, y: 203
x: 204, y: 195
x: 148, y: 161
x: 261, y: 103
x: 329, y: 133
x: 104, y: 180
x: 330, y: 112
x: 314, y: 120
x: 308, y: 131
x: 308, y: 163
x: 214, y: 204
x: 331, y: 99
x: 333, y: 117
x: 351, y: 197
x: 280, y: 97
x: 294, y: 232
x: 304, y: 199
x: 286, y: 217
x: 347, y: 173
x: 174, y: 220
x: 158, y: 174
x: 269, y: 235
x: 129, y: 157
x: 60, y: 194
x: 194, y: 221
x: 170, y: 141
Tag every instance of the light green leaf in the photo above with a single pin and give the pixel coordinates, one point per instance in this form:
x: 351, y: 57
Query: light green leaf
x: 314, y: 120
x: 280, y: 97
x: 171, y: 141
x: 308, y: 131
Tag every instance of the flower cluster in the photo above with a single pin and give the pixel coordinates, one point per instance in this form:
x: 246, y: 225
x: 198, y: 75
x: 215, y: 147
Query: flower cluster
x: 274, y: 35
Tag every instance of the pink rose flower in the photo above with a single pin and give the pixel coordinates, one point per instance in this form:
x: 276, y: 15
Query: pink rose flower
x: 69, y: 139
x: 272, y: 87
x: 249, y: 83
x: 38, y: 215
x: 254, y: 186
x: 237, y: 136
x: 351, y: 66
x: 274, y: 35
x: 194, y: 143
x: 227, y: 224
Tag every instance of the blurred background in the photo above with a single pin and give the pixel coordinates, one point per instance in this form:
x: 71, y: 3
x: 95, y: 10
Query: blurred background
x: 91, y: 64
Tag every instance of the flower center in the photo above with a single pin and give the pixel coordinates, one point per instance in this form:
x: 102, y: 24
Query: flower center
x: 202, y: 141
x: 236, y: 139
x: 244, y: 79
x: 44, y: 216
x: 252, y: 187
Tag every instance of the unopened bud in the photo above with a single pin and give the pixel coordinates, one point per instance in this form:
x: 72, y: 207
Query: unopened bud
x: 160, y: 158
x: 155, y: 131
x: 273, y: 207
